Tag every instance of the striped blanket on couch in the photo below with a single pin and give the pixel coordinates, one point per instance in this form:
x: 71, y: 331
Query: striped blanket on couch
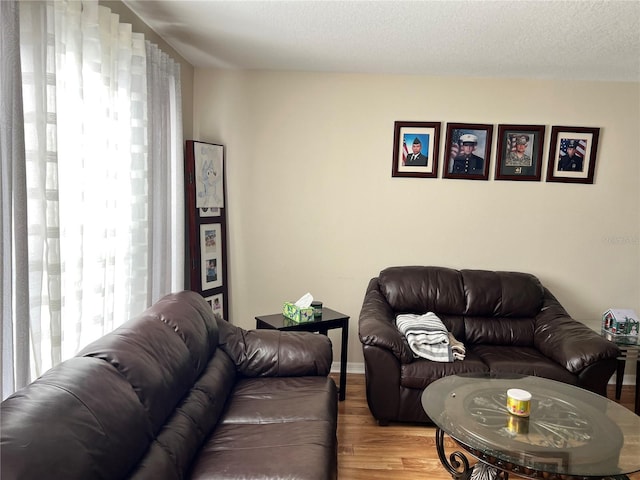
x: 429, y: 338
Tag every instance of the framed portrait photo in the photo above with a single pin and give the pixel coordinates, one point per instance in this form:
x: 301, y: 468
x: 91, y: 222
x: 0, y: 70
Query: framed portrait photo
x: 468, y: 151
x: 216, y: 302
x: 207, y: 212
x: 519, y: 152
x: 572, y: 154
x: 415, y: 149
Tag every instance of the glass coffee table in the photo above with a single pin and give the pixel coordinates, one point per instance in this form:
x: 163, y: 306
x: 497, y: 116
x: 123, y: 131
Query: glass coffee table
x: 571, y: 433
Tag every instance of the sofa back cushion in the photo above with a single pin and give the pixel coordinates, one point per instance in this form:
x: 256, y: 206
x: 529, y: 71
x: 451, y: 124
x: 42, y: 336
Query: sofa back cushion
x: 423, y: 289
x: 499, y: 331
x: 478, y: 293
x: 79, y: 420
x: 477, y: 306
x: 501, y: 294
x: 162, y: 352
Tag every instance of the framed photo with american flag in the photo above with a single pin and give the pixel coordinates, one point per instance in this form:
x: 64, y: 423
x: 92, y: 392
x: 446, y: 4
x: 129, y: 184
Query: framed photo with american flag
x: 468, y: 151
x: 572, y: 154
x: 519, y: 152
x: 415, y: 149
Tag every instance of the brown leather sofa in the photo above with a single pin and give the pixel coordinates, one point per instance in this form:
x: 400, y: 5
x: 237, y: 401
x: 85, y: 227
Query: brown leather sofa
x: 508, y: 322
x: 175, y: 394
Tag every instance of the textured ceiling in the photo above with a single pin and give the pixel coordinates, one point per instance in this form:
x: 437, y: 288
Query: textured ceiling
x: 585, y: 40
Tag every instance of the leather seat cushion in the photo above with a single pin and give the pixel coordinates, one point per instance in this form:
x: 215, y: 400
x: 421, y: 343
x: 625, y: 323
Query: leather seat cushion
x: 421, y: 372
x: 521, y: 360
x: 268, y: 419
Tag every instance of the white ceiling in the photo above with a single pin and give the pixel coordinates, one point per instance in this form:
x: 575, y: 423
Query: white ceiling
x: 585, y: 39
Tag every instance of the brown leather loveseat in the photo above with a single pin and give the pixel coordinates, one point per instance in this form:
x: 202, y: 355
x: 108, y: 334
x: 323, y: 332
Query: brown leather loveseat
x: 508, y: 323
x: 176, y: 394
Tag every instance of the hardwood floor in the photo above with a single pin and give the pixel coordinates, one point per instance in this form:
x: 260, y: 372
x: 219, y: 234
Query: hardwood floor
x: 395, y: 452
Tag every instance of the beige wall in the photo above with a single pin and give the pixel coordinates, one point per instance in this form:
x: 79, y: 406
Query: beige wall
x: 312, y: 205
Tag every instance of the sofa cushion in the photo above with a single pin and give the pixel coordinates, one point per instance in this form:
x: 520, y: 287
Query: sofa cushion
x: 421, y: 372
x: 195, y: 417
x: 268, y: 420
x: 162, y: 352
x: 501, y: 294
x: 505, y: 360
x: 445, y: 291
x: 499, y: 331
x: 418, y: 289
x: 72, y: 423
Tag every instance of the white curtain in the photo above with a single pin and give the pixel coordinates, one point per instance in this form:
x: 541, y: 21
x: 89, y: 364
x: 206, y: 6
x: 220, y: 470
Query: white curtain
x: 166, y: 174
x: 14, y: 293
x: 96, y: 218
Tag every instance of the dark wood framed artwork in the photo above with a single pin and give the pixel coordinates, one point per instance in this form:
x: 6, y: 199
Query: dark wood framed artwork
x: 519, y: 152
x: 416, y: 149
x: 207, y: 223
x: 468, y: 151
x: 572, y: 154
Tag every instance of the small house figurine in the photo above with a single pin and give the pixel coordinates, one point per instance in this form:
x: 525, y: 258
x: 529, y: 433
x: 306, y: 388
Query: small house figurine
x: 621, y: 322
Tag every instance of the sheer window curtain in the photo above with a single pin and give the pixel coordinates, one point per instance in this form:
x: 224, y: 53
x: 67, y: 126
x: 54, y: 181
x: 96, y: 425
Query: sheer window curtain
x: 14, y: 334
x: 102, y: 236
x: 166, y: 174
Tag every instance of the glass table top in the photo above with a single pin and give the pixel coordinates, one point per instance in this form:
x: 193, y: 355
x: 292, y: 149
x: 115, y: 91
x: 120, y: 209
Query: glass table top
x: 569, y: 431
x: 621, y: 340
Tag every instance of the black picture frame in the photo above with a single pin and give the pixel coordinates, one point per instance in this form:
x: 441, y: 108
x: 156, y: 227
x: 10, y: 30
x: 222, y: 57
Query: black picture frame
x: 471, y: 164
x: 426, y: 135
x: 579, y: 167
x: 519, y: 155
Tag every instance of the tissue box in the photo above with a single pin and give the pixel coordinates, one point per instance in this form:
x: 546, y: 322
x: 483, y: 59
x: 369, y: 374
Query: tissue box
x: 297, y: 314
x: 621, y: 322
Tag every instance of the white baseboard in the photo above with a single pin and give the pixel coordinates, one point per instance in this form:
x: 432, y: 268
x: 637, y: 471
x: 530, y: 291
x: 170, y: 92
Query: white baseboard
x: 352, y: 367
x: 626, y: 380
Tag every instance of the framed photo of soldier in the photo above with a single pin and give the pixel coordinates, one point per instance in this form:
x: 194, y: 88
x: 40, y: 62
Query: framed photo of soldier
x: 468, y: 151
x: 416, y: 149
x: 519, y: 152
x: 572, y: 154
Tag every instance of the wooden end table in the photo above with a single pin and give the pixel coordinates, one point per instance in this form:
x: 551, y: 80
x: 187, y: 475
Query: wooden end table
x: 330, y: 319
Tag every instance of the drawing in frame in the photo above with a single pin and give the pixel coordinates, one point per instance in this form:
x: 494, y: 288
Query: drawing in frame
x: 519, y: 155
x: 416, y: 149
x: 572, y: 154
x: 468, y: 151
x: 209, y: 164
x: 211, y: 255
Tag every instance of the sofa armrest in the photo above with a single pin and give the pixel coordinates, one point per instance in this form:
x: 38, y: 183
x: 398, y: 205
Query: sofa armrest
x: 376, y: 326
x: 567, y: 341
x: 272, y: 353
